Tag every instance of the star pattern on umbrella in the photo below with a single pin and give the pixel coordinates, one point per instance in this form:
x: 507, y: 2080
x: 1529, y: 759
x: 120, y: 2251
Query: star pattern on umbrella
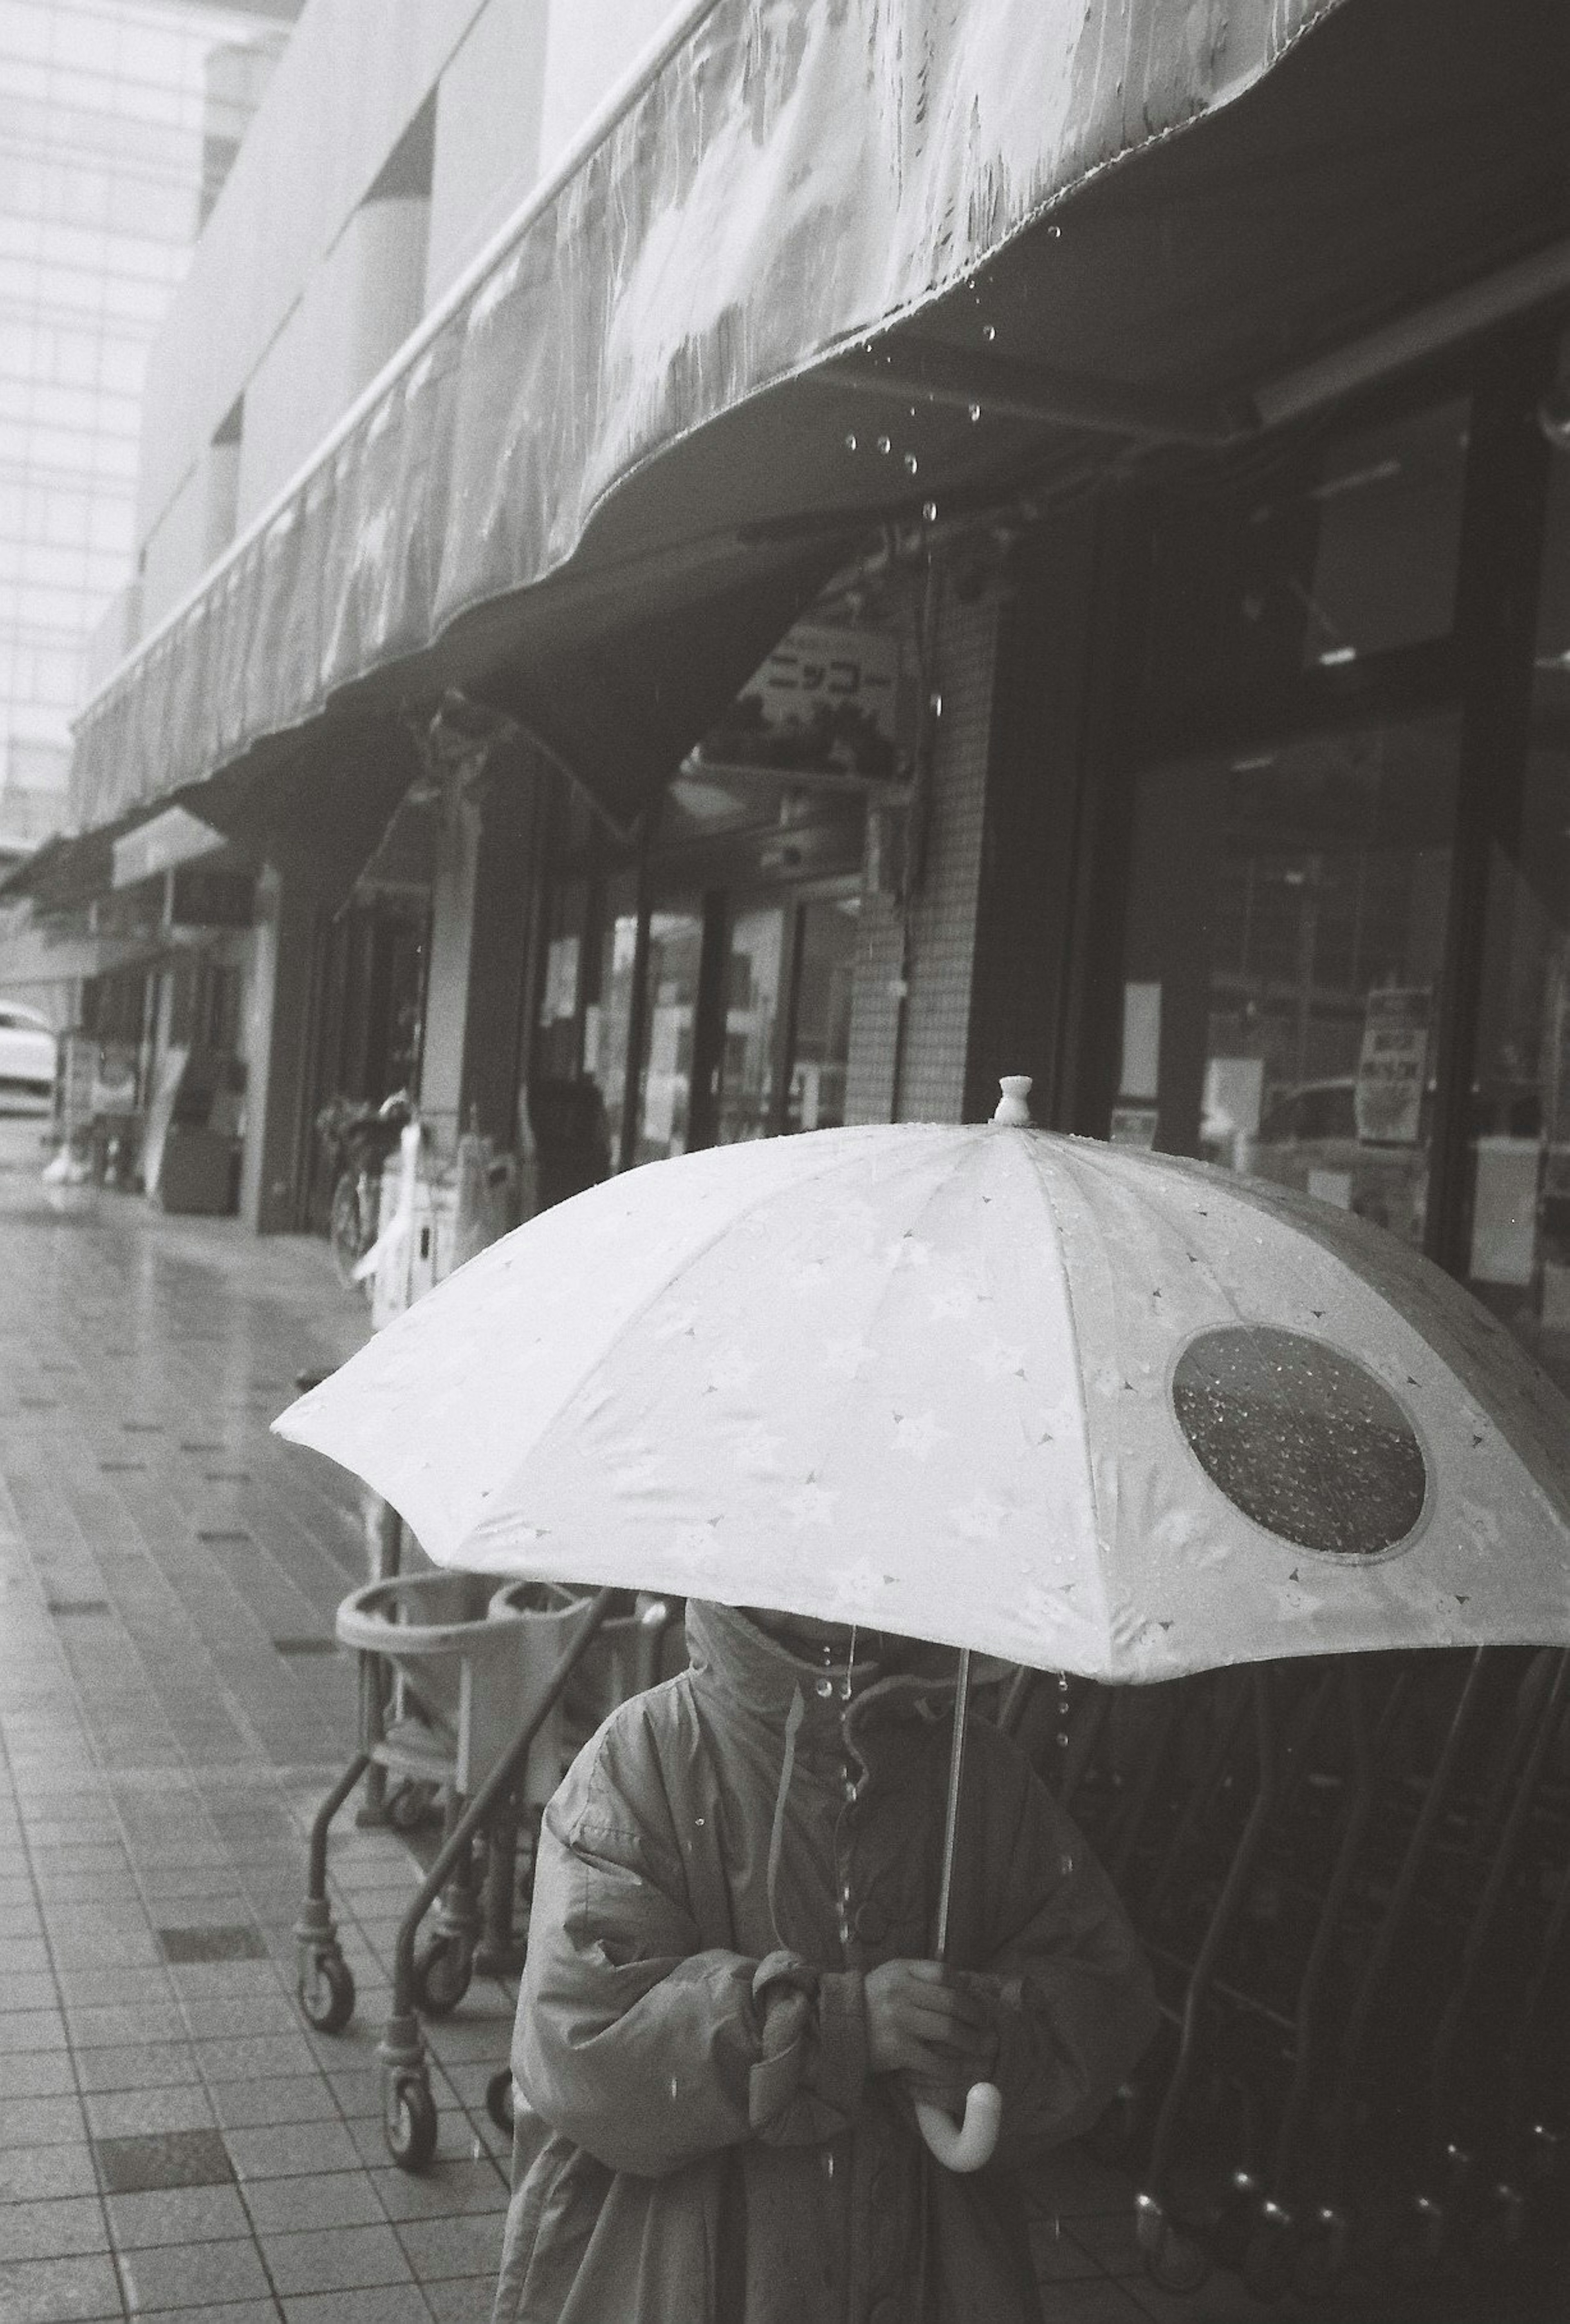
x: 858, y: 1587
x: 811, y: 1504
x: 954, y: 1301
x: 981, y: 1519
x: 849, y: 1355
x: 918, y: 1433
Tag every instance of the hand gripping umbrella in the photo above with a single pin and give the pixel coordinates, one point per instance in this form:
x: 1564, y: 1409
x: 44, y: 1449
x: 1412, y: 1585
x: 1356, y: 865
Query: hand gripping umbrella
x: 1085, y: 1408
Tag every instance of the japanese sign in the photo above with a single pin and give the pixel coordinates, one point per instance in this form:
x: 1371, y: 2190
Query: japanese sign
x: 1392, y: 1067
x: 826, y: 702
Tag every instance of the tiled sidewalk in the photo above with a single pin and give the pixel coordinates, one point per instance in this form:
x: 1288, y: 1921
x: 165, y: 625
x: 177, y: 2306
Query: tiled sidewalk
x: 173, y: 2140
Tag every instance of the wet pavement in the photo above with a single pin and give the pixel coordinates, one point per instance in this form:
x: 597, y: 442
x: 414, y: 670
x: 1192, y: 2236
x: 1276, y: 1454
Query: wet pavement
x: 174, y: 2141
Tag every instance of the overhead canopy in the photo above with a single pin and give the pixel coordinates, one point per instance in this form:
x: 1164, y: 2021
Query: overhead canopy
x: 839, y: 260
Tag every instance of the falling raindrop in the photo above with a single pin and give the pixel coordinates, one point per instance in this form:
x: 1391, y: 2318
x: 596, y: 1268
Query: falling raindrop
x: 477, y: 2152
x: 850, y: 443
x: 974, y: 413
x: 929, y: 512
x: 885, y: 445
x: 989, y: 331
x: 910, y: 464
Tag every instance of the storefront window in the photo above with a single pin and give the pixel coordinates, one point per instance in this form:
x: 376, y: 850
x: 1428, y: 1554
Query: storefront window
x: 675, y: 951
x: 816, y: 1098
x: 1517, y: 1248
x: 607, y: 1009
x: 1350, y: 551
x: 752, y: 1005
x: 1285, y: 940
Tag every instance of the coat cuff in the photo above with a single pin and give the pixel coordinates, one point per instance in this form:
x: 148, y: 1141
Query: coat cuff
x: 842, y: 2038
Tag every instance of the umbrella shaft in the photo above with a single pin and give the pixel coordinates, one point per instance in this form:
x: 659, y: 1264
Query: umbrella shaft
x: 951, y: 1809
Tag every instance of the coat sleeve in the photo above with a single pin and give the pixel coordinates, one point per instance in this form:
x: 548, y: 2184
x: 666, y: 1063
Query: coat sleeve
x: 1074, y: 2000
x: 636, y: 2042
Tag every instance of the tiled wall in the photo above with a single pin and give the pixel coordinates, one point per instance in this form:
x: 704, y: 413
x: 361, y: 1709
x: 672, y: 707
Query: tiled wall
x: 932, y: 1060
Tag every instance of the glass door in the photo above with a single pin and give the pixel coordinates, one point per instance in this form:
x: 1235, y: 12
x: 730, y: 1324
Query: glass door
x: 1282, y: 961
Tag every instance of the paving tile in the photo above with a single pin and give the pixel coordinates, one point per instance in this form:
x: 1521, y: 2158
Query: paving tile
x: 212, y: 2015
x: 55, y: 2229
x: 461, y: 2299
x: 290, y: 2099
x: 136, y: 2066
x: 335, y: 2199
x: 176, y: 2215
x: 173, y: 2158
x: 134, y: 2113
x: 30, y: 2174
x: 260, y: 2055
x: 18, y: 1954
x: 34, y: 1989
x: 37, y: 2074
x: 228, y: 2311
x: 61, y: 2290
x: 194, y: 2275
x: 118, y: 2024
x: 334, y: 2259
x: 220, y: 1942
x: 292, y: 2150
x: 41, y: 2122
x: 461, y: 2246
x: 31, y: 2029
x: 450, y: 2188
x: 107, y: 1986
x: 391, y: 2303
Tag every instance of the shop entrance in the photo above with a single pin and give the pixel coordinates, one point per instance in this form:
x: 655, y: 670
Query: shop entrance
x: 1283, y: 958
x: 738, y: 1004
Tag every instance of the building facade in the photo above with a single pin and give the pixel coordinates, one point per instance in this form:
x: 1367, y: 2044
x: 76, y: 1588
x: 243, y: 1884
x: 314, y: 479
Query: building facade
x: 118, y: 121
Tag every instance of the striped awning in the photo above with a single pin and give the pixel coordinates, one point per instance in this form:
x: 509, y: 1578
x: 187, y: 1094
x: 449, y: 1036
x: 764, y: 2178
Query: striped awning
x: 834, y: 262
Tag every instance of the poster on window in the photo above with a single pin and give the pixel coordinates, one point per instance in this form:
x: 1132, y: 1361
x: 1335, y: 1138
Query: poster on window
x: 1392, y: 1066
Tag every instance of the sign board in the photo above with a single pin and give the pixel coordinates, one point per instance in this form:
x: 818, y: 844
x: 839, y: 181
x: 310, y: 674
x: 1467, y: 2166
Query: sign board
x: 1133, y: 1125
x: 175, y: 836
x: 826, y: 702
x: 1392, y: 1066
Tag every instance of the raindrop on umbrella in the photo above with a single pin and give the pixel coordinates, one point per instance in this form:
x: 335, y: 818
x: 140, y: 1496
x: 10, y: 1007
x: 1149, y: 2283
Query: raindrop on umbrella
x: 885, y: 445
x: 910, y: 464
x: 850, y: 443
x: 974, y: 413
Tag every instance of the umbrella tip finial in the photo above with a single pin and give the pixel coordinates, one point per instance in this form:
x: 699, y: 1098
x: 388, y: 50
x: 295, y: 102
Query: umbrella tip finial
x: 1013, y: 1109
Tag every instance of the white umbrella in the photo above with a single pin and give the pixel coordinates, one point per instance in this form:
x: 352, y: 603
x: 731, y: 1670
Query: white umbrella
x: 1081, y: 1407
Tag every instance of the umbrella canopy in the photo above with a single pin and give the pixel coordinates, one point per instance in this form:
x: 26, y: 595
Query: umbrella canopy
x: 1079, y: 1406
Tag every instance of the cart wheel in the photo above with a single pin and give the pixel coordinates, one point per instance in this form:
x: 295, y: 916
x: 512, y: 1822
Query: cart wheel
x: 1177, y: 2261
x: 409, y: 2121
x: 327, y: 1992
x: 499, y: 2101
x: 443, y: 1967
x: 410, y: 1806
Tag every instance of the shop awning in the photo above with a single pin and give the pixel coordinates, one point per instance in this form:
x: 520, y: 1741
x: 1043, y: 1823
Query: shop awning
x: 838, y: 262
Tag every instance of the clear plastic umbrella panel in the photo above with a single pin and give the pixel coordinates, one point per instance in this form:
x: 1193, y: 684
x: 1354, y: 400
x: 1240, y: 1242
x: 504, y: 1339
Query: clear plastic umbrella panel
x: 1080, y: 1408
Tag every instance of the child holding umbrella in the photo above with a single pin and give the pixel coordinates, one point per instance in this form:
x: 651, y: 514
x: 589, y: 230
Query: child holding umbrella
x: 727, y: 2016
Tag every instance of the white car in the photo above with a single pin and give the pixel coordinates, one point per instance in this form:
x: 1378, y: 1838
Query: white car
x: 27, y: 1052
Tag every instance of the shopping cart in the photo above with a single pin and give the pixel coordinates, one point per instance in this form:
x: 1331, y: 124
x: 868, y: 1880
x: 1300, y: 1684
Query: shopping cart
x: 1352, y: 1878
x: 478, y: 1692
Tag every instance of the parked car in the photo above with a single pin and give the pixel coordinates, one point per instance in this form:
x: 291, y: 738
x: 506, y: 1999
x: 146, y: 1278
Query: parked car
x: 1308, y: 1139
x: 27, y: 1052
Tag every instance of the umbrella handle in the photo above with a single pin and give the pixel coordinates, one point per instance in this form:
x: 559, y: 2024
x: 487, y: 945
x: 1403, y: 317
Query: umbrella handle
x: 966, y: 2145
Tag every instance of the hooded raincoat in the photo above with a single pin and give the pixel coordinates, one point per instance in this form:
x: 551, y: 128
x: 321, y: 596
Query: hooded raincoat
x: 698, y: 2140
